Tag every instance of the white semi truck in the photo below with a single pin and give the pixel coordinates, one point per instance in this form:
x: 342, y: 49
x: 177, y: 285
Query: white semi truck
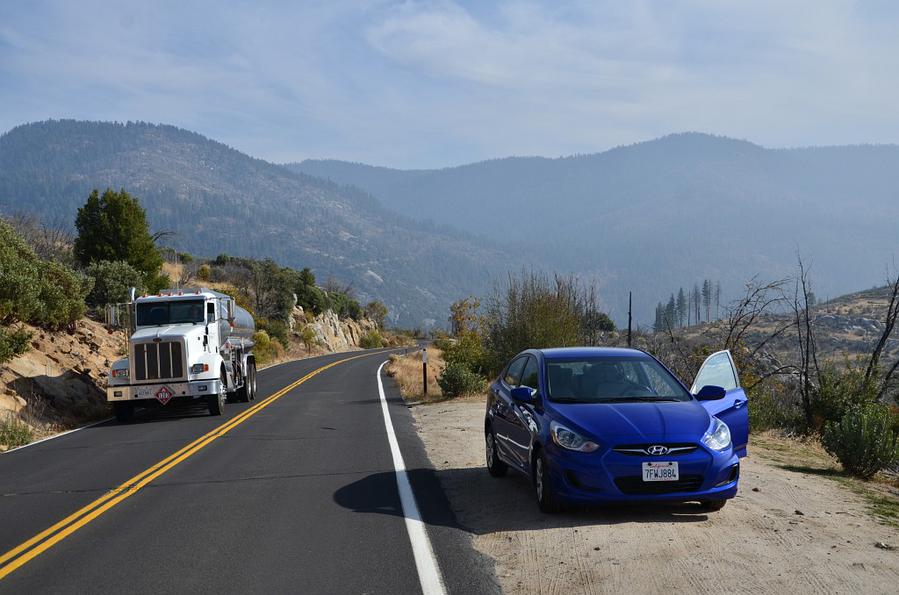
x: 185, y: 345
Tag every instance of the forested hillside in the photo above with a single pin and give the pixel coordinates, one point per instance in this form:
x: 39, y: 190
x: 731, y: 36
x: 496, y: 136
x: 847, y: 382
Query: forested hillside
x: 215, y: 199
x: 658, y: 215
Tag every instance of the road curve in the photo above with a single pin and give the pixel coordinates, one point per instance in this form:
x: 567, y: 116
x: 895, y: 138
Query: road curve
x: 297, y: 495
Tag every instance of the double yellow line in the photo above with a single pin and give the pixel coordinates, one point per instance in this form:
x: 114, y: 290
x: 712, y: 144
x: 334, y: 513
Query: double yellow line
x: 26, y: 551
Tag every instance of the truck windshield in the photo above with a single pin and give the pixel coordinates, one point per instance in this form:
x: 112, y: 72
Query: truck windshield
x: 611, y: 380
x: 174, y: 312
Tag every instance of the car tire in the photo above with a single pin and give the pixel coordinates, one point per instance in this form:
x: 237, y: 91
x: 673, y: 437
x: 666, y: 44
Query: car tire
x: 123, y: 412
x: 547, y: 500
x: 216, y: 402
x: 712, y: 505
x: 495, y: 466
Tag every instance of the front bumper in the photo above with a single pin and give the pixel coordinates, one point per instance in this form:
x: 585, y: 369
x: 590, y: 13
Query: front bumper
x: 193, y: 389
x: 614, y: 477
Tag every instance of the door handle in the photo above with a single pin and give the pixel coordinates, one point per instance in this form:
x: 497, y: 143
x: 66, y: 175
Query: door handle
x: 739, y: 403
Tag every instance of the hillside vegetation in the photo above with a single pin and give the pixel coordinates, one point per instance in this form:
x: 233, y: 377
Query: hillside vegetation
x: 215, y: 199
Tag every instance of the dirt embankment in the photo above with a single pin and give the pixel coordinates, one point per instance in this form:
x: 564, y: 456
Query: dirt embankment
x: 785, y: 531
x: 61, y: 380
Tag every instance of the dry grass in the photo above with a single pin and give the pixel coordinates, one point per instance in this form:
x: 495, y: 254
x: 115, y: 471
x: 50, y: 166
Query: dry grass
x: 807, y: 456
x: 406, y: 369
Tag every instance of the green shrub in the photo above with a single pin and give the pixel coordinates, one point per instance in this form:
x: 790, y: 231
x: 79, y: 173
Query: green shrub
x: 838, y: 392
x: 62, y: 294
x: 265, y: 350
x: 204, y: 272
x: 371, y: 340
x: 13, y: 431
x: 442, y: 341
x: 13, y: 343
x: 112, y: 282
x: 770, y: 408
x: 19, y: 277
x: 275, y: 329
x: 863, y: 440
x: 457, y: 380
x: 467, y: 350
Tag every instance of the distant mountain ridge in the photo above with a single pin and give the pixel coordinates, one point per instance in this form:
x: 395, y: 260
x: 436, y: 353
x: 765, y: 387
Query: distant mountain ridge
x: 217, y: 199
x: 654, y: 216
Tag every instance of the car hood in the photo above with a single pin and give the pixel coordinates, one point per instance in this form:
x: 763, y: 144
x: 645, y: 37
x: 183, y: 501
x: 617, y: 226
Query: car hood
x: 638, y: 422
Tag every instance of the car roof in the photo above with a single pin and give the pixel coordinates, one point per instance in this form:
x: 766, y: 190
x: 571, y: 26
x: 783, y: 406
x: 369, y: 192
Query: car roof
x: 590, y: 352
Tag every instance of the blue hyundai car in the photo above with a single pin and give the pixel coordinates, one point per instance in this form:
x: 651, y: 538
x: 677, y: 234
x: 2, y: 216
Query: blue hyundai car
x: 595, y: 425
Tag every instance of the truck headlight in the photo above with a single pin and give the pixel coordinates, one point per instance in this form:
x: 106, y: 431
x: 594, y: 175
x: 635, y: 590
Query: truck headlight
x: 718, y: 436
x: 199, y: 368
x: 569, y: 439
x: 120, y: 373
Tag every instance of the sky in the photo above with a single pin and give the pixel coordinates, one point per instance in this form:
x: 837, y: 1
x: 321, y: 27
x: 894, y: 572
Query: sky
x: 432, y: 84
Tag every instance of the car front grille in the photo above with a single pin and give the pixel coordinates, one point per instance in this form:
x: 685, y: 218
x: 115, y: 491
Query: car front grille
x: 636, y: 485
x: 158, y: 361
x: 643, y: 450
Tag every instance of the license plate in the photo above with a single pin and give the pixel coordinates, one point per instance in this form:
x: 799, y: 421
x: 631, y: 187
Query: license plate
x: 660, y: 471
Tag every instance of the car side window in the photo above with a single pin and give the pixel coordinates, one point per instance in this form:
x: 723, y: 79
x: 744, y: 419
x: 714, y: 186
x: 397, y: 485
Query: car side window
x: 717, y: 371
x: 513, y: 372
x: 531, y: 375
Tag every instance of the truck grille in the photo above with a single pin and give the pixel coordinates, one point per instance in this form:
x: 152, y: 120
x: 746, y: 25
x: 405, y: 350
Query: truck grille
x: 158, y: 361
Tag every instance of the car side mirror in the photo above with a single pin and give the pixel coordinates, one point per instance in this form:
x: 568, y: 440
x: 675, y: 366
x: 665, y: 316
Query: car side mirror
x: 523, y: 394
x: 710, y: 392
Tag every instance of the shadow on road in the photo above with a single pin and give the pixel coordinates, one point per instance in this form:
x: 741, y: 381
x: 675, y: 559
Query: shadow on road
x: 480, y: 504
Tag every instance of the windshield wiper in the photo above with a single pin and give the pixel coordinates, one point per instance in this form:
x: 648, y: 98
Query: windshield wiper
x: 639, y: 399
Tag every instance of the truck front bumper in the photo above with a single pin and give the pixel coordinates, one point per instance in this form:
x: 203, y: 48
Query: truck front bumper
x: 193, y: 389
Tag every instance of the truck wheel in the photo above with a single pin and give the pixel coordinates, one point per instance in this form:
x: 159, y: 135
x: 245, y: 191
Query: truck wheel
x: 251, y: 380
x: 123, y: 412
x: 217, y: 402
x: 247, y: 392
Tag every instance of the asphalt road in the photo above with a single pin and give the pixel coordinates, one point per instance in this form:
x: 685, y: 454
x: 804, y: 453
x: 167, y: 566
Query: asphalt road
x: 298, y: 496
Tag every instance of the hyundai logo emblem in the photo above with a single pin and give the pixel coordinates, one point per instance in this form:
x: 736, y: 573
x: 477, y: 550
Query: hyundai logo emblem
x: 657, y: 450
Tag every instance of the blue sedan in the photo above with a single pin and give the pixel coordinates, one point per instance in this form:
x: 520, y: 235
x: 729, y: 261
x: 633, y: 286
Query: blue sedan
x: 594, y: 425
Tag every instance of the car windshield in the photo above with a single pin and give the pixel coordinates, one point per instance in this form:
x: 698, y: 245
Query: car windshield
x: 173, y: 312
x: 611, y: 380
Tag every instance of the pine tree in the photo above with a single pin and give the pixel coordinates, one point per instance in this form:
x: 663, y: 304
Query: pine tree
x: 718, y: 300
x: 707, y: 299
x: 696, y: 302
x: 681, y: 307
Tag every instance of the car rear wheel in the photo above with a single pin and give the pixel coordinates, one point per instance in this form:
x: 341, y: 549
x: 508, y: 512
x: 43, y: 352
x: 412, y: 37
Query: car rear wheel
x: 543, y: 488
x: 712, y: 505
x: 495, y: 466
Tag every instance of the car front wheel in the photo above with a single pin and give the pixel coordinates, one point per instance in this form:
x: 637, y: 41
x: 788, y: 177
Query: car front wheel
x: 543, y: 488
x: 712, y: 505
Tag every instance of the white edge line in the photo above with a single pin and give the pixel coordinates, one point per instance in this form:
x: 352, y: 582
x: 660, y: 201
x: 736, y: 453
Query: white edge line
x: 425, y: 561
x: 60, y: 435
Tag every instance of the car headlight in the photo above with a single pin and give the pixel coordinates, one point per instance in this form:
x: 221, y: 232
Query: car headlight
x: 569, y: 439
x: 120, y: 373
x: 199, y: 368
x: 718, y: 436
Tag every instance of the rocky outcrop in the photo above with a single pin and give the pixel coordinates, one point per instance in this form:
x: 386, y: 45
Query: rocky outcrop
x: 331, y: 333
x: 63, y: 373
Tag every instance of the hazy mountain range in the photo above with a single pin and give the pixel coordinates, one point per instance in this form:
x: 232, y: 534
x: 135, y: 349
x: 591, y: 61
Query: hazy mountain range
x: 658, y: 215
x: 649, y: 217
x: 218, y: 200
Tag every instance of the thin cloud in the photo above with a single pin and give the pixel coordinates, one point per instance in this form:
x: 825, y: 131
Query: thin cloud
x: 419, y: 84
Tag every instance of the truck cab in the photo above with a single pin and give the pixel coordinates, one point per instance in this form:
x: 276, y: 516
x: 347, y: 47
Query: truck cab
x: 185, y: 345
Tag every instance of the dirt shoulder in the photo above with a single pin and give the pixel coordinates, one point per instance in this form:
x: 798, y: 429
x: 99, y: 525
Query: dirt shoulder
x: 785, y: 531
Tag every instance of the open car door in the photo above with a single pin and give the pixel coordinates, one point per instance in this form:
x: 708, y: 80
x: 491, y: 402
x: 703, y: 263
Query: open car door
x: 719, y: 370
